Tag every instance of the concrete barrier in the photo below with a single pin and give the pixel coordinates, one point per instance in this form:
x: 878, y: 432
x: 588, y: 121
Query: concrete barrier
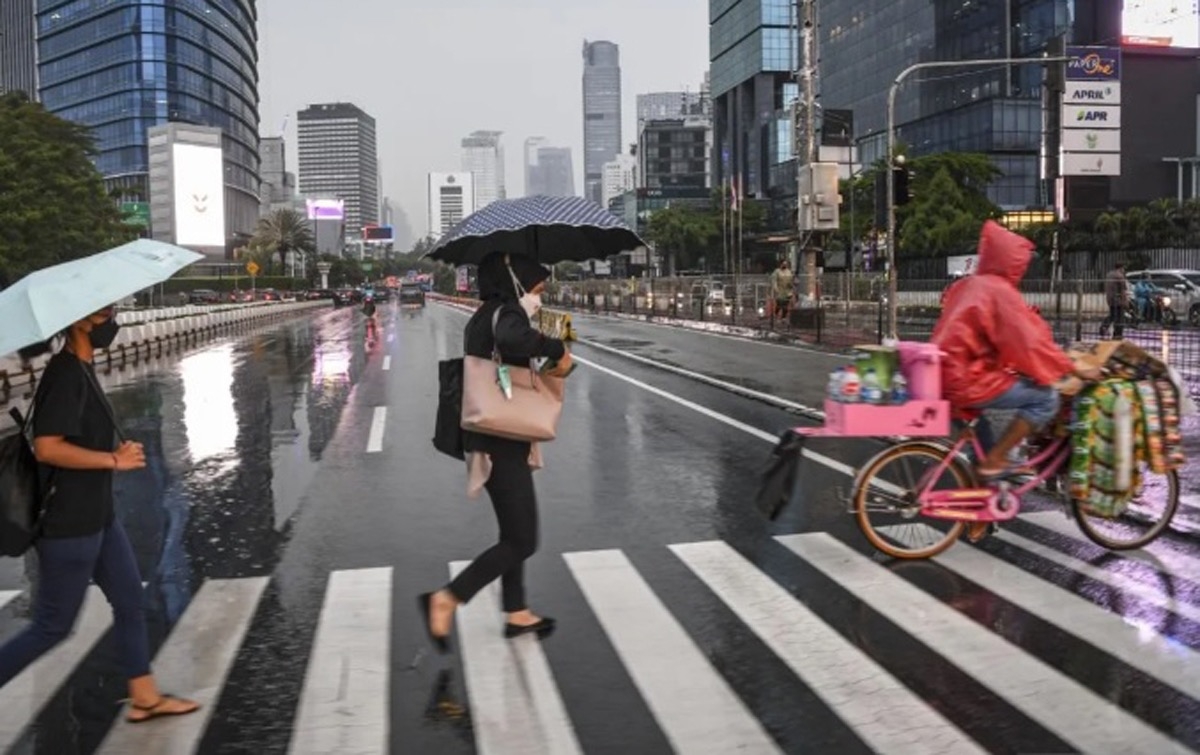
x: 554, y: 323
x: 147, y: 332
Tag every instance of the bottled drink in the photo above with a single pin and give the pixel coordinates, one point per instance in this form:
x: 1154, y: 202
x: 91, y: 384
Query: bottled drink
x: 851, y: 388
x: 899, y: 389
x: 872, y: 391
x: 834, y: 389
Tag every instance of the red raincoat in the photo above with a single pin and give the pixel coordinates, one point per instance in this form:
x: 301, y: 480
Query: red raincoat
x: 989, y: 335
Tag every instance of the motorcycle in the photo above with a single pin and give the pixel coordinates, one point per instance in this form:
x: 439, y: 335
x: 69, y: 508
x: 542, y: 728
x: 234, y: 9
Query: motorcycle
x: 1160, y: 311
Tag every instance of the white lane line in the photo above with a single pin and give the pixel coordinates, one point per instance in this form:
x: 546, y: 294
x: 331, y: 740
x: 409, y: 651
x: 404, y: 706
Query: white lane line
x: 22, y: 699
x: 1118, y: 580
x: 691, y: 702
x: 1061, y: 705
x: 375, y: 437
x: 391, y: 337
x: 7, y: 596
x: 196, y: 660
x: 387, y: 363
x: 880, y: 710
x: 345, y: 705
x: 1163, y: 560
x: 515, y: 705
x: 1169, y: 662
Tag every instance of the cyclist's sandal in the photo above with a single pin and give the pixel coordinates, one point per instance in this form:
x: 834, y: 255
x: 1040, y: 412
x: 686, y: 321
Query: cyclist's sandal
x: 156, y: 710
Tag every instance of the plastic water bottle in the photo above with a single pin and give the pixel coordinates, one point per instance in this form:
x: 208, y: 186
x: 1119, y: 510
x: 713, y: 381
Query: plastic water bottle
x: 872, y: 391
x: 899, y: 389
x: 834, y: 389
x: 851, y: 387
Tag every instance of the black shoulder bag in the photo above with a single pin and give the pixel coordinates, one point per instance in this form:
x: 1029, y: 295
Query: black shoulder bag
x: 22, y: 497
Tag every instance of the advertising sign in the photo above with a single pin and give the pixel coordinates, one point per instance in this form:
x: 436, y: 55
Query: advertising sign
x: 1084, y: 164
x: 1091, y: 116
x: 1094, y: 64
x: 1161, y: 23
x: 326, y: 209
x: 1091, y: 140
x: 1093, y: 93
x: 136, y: 214
x: 379, y: 233
x: 199, y: 195
x: 462, y: 281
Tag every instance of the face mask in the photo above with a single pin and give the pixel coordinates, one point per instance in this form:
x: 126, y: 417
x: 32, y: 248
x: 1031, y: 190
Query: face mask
x: 531, y: 303
x: 102, y: 335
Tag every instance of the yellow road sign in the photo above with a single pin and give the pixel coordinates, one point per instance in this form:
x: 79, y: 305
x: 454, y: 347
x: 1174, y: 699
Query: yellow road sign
x: 252, y: 268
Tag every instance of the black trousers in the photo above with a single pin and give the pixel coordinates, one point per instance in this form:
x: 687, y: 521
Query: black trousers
x: 1115, y: 320
x: 511, y: 489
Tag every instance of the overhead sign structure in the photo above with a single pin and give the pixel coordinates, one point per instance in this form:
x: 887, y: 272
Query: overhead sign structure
x: 1091, y: 113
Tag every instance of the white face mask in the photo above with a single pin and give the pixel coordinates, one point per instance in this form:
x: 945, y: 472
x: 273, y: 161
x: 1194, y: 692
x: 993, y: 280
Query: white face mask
x: 532, y: 304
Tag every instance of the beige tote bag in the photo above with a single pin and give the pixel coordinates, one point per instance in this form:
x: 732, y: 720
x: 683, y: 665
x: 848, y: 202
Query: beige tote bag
x: 530, y: 415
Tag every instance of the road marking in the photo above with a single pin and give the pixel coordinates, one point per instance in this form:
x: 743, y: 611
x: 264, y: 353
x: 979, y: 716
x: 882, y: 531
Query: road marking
x: 1167, y: 661
x: 515, y: 705
x: 1063, y: 706
x: 7, y: 596
x: 1177, y: 565
x: 195, y: 659
x: 345, y: 705
x: 880, y: 710
x: 387, y: 363
x: 691, y: 702
x: 375, y: 437
x: 22, y: 699
x: 1115, y: 579
x: 391, y: 337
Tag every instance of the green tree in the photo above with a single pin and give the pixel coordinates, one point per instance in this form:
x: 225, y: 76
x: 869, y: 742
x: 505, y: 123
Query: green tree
x: 53, y: 206
x: 282, y: 232
x: 683, y: 233
x: 939, y: 222
x: 971, y: 172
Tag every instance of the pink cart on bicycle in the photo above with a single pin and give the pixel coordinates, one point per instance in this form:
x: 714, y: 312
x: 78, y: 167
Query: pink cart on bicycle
x: 915, y: 498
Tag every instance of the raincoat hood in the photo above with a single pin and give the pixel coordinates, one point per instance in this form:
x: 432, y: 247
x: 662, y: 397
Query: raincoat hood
x: 1003, y: 253
x: 495, y: 282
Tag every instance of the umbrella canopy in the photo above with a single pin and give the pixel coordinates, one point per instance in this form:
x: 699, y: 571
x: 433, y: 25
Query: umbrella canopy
x: 548, y: 229
x: 46, y: 302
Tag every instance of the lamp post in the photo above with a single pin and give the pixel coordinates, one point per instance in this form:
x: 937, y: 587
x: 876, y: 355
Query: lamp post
x: 891, y: 152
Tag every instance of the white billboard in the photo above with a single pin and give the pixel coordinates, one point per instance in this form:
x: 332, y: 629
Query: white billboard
x: 1092, y: 93
x: 1091, y: 116
x: 1086, y: 164
x: 199, y: 195
x: 1089, y: 140
x: 1161, y: 23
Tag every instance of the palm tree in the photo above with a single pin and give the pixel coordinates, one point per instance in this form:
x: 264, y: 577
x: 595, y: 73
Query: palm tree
x: 1108, y: 229
x: 282, y: 232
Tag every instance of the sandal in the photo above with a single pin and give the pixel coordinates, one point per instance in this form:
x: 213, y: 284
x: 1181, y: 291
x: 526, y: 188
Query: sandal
x: 155, y: 710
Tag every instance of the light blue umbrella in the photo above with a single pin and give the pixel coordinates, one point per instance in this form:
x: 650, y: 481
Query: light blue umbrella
x: 46, y: 302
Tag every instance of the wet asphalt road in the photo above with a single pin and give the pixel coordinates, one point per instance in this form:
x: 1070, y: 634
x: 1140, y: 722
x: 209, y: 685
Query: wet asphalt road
x: 259, y: 467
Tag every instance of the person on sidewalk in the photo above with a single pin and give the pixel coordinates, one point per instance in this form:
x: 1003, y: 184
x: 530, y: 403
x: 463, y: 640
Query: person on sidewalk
x: 513, y: 285
x: 81, y: 540
x: 999, y: 354
x: 1116, y: 295
x: 783, y: 285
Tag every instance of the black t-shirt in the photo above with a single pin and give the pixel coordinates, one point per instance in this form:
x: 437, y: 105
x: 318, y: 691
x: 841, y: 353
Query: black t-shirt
x: 68, y: 405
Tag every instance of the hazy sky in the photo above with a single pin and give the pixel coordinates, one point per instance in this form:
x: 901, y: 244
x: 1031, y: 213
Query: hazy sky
x: 432, y: 71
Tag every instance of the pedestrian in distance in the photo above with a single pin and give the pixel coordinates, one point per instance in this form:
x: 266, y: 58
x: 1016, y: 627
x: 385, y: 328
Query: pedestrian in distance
x: 783, y: 284
x: 502, y: 466
x: 80, y: 538
x: 368, y: 311
x: 1116, y: 294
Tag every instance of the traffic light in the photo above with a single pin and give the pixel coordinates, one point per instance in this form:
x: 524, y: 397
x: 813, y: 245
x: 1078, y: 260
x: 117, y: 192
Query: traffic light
x: 901, y: 180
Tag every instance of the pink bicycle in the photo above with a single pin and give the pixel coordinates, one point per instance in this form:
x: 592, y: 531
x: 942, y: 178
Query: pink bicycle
x: 930, y: 491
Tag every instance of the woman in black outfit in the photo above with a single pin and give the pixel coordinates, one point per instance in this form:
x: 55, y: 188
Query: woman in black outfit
x: 81, y: 540
x: 514, y: 286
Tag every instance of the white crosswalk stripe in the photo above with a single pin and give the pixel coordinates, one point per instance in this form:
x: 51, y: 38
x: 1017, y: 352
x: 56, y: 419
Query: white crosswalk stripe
x: 513, y: 686
x: 1161, y: 559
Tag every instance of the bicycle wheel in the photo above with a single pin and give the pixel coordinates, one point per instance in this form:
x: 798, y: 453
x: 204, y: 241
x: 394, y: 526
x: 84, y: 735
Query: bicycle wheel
x: 1147, y: 517
x: 889, y: 485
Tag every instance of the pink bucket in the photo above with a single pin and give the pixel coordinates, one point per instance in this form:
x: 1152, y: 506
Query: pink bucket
x: 921, y: 364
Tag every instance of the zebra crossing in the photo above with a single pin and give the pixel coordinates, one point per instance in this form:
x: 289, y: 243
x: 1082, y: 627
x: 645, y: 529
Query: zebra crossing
x: 513, y: 686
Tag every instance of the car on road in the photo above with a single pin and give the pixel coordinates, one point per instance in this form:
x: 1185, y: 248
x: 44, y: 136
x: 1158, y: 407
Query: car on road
x: 269, y: 294
x: 411, y: 295
x: 1183, y: 287
x: 318, y: 294
x: 204, y: 296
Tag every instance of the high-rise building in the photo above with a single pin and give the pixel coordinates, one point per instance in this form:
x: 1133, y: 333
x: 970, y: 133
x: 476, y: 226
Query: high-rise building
x: 601, y: 113
x: 658, y: 106
x: 451, y: 198
x: 675, y: 152
x: 339, y: 158
x: 620, y: 176
x: 483, y: 157
x: 549, y: 171
x: 278, y: 184
x: 125, y: 66
x: 18, y: 47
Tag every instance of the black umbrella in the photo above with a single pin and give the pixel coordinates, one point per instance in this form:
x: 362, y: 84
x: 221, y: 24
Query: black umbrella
x: 548, y: 229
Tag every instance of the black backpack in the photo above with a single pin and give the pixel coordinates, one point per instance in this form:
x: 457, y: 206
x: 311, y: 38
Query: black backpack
x: 22, y: 499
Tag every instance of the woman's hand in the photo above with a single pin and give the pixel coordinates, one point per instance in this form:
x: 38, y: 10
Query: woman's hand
x: 129, y: 456
x: 1089, y: 374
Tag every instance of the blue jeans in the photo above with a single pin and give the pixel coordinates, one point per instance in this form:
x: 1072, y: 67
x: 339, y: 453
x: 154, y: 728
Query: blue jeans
x: 66, y: 566
x: 1036, y: 404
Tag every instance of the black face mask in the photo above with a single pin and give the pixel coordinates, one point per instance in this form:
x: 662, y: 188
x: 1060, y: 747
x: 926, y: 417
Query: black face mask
x: 102, y: 335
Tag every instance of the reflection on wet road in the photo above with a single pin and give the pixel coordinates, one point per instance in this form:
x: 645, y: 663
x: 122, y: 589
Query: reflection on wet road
x: 293, y: 506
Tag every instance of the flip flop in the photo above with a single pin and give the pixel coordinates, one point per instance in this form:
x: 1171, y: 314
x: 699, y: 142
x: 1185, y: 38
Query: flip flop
x: 425, y: 604
x: 153, y: 711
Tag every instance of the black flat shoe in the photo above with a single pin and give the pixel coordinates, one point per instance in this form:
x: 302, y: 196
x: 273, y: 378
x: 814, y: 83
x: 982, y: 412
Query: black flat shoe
x: 425, y: 604
x: 542, y: 629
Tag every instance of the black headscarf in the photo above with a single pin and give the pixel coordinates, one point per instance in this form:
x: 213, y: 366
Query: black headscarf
x: 495, y: 282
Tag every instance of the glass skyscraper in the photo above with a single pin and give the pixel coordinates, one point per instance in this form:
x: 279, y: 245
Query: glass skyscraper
x: 601, y: 113
x: 124, y: 66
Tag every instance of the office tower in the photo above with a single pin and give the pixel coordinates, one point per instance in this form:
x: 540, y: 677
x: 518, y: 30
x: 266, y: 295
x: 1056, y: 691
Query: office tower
x: 549, y: 171
x: 18, y: 47
x: 601, y: 113
x: 483, y: 157
x: 451, y: 198
x: 532, y: 145
x: 620, y: 176
x: 675, y: 152
x: 339, y: 158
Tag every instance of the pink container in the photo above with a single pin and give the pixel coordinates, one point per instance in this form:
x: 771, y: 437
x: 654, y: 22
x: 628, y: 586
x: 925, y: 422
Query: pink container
x: 915, y: 419
x: 921, y: 364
